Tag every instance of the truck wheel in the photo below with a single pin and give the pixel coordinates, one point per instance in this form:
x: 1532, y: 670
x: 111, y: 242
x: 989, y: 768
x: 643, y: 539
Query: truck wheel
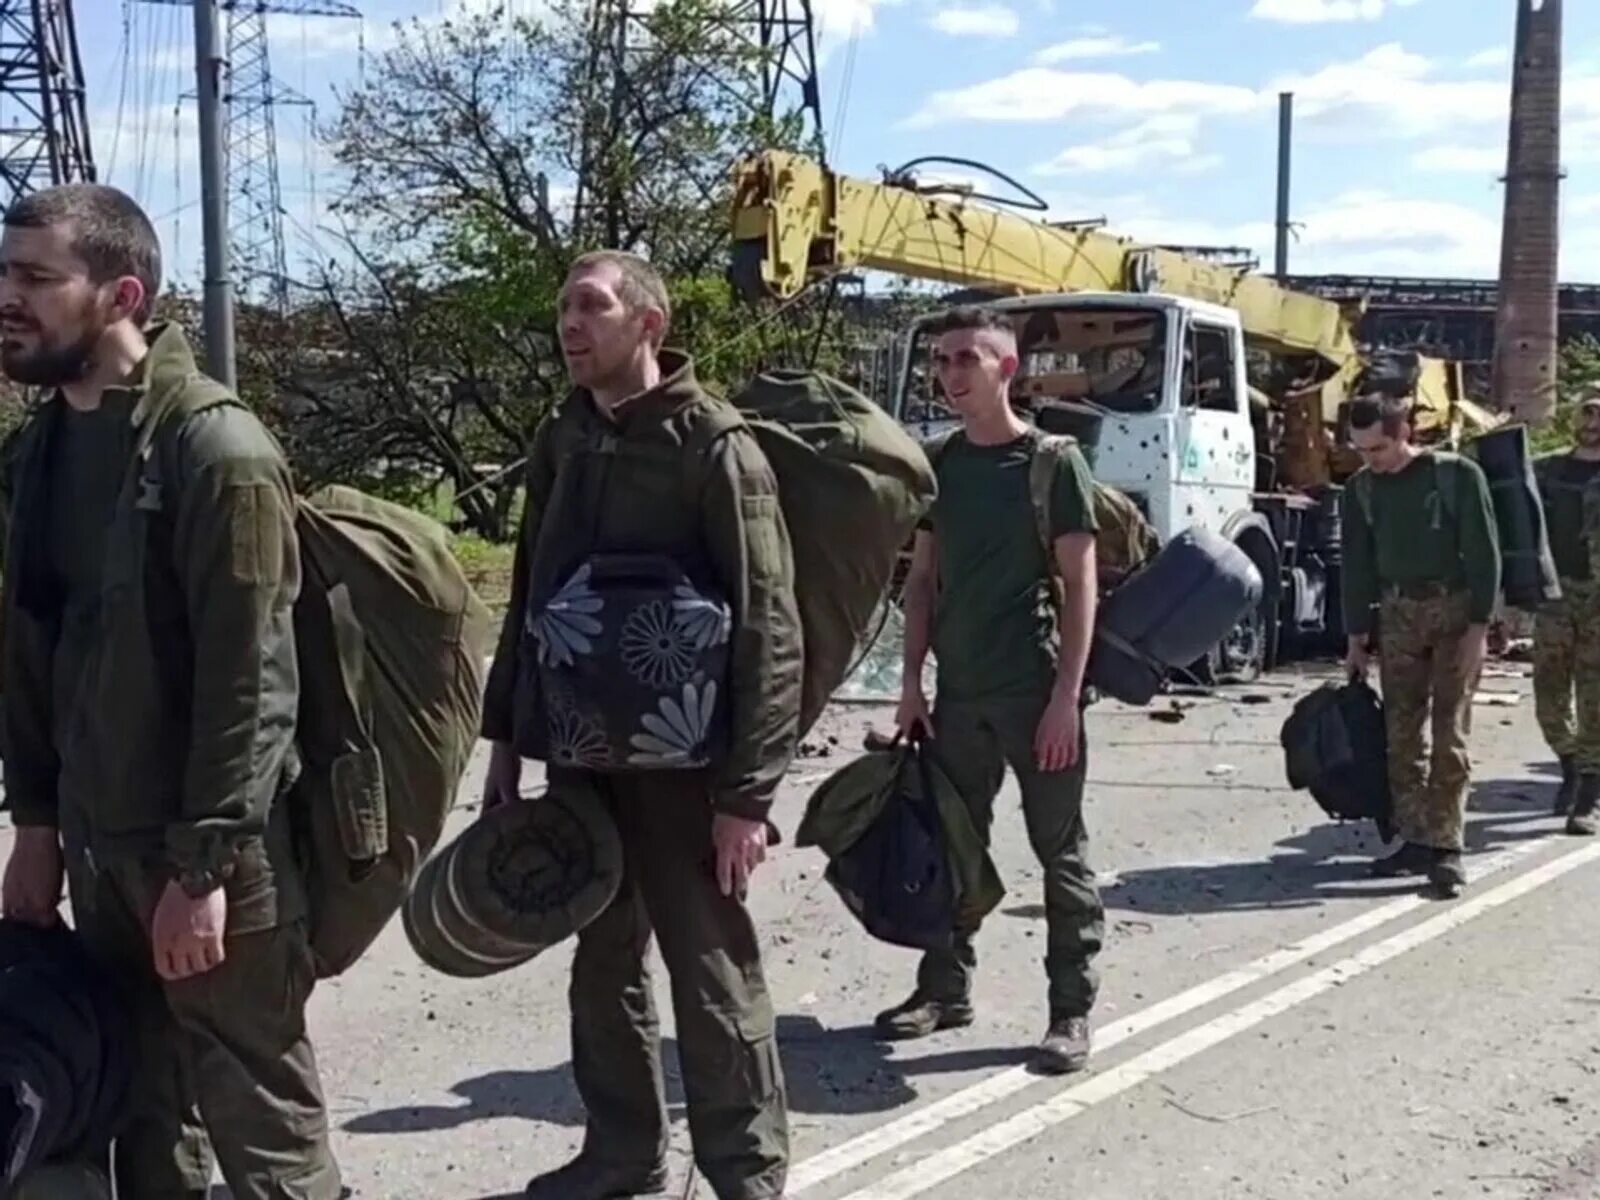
x: 1242, y: 655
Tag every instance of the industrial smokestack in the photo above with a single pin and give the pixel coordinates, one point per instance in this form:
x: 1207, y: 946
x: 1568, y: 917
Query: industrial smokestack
x: 1525, y: 321
x: 1285, y: 139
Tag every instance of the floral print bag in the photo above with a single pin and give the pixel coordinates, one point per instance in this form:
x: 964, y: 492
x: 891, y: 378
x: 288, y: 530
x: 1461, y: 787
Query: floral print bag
x: 632, y: 662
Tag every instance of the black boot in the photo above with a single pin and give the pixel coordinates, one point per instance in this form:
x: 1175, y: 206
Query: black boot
x: 1567, y: 793
x: 1447, y: 874
x: 1410, y: 859
x: 1583, y: 822
x: 585, y: 1178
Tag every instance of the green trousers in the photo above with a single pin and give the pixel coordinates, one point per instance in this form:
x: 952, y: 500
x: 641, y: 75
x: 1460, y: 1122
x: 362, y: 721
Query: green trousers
x: 225, y: 1072
x: 727, y: 1037
x: 974, y: 743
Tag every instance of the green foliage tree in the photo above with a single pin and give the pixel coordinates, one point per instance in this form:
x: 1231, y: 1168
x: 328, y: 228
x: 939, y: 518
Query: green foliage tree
x: 482, y: 154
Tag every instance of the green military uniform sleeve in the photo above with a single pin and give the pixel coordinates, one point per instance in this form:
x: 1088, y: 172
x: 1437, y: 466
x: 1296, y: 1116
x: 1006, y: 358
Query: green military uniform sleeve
x: 1359, y: 583
x: 1479, y: 540
x: 499, y: 702
x: 1072, y: 497
x: 237, y: 558
x: 749, y: 546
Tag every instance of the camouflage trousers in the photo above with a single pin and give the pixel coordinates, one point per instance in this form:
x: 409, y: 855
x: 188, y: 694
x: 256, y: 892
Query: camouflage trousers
x: 1424, y: 685
x: 1566, y: 661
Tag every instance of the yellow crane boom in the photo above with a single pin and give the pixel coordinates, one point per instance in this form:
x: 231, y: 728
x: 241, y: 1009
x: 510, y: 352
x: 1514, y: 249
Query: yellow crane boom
x: 795, y: 221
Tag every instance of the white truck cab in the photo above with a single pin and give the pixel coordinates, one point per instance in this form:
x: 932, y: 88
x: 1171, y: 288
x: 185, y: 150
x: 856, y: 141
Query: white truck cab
x: 1165, y: 377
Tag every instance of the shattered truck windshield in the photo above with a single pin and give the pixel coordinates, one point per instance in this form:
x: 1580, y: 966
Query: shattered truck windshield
x: 1109, y: 358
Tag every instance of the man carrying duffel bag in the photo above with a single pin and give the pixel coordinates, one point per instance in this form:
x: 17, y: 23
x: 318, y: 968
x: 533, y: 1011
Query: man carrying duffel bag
x: 1011, y: 659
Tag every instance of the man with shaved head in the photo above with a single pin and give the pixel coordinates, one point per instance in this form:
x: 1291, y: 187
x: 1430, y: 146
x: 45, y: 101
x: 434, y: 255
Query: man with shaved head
x: 1011, y: 653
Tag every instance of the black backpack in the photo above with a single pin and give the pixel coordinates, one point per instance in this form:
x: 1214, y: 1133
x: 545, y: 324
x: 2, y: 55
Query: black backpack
x: 896, y: 877
x: 1335, y: 746
x: 65, y: 1050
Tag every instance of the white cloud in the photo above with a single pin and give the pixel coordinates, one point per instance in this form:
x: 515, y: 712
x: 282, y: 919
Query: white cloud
x: 990, y: 20
x: 1043, y: 94
x: 1092, y: 47
x: 837, y: 22
x: 1495, y: 56
x: 1584, y: 206
x: 1388, y: 91
x: 1359, y: 232
x: 1317, y: 12
x: 1476, y: 160
x: 1166, y: 140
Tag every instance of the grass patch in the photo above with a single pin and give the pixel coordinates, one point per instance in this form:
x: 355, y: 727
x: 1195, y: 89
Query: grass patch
x: 488, y: 566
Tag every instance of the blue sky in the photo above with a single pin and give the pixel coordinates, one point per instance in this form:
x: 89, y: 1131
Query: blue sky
x: 1158, y: 115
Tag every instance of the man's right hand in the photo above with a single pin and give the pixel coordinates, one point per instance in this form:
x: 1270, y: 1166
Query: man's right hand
x: 1357, y: 657
x: 504, y: 782
x: 913, y: 713
x: 31, y: 890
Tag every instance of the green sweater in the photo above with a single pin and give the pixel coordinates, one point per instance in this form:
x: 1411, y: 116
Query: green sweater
x: 1425, y: 528
x: 1563, y: 480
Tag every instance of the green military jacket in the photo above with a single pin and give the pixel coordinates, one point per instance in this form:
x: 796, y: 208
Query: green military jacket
x: 632, y: 483
x: 182, y: 731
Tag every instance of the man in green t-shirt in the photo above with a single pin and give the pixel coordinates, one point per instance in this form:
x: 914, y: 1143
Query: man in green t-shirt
x: 1566, y: 632
x: 1011, y: 659
x: 1420, y: 547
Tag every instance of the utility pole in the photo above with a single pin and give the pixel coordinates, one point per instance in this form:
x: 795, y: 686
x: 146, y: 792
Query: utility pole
x: 218, y: 310
x: 1285, y: 137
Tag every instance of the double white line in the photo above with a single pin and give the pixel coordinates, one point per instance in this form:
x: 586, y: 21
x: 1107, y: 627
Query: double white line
x: 1078, y: 1097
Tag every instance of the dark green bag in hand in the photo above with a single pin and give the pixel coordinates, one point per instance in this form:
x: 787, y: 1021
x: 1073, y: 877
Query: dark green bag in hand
x: 849, y: 805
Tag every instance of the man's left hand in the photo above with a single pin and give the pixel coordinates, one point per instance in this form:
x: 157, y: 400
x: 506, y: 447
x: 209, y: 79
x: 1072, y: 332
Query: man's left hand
x: 741, y: 847
x: 186, y: 933
x: 1055, y: 744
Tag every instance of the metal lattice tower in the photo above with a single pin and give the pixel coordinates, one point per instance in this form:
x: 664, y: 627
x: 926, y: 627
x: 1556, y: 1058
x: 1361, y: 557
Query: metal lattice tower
x: 44, y: 131
x: 780, y: 33
x: 252, y: 94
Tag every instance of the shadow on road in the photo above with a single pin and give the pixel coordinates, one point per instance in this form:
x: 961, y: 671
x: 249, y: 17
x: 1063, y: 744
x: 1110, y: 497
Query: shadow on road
x: 833, y: 1071
x: 1327, y: 861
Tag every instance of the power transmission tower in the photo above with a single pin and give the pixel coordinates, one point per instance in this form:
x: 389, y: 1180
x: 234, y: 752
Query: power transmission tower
x: 251, y: 95
x: 44, y: 131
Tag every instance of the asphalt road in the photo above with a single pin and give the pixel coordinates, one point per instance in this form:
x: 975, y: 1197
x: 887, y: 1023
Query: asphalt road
x: 1272, y: 1024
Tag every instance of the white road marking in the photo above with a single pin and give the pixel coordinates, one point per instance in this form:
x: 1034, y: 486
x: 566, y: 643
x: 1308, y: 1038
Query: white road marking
x: 846, y: 1156
x: 1005, y: 1135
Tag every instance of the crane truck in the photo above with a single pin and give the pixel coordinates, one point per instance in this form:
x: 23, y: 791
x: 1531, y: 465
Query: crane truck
x: 1210, y: 395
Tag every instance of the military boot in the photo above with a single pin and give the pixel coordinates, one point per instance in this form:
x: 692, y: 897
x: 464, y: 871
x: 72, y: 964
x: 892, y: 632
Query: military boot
x: 586, y: 1178
x: 1582, y: 821
x: 1410, y: 859
x: 1567, y: 793
x: 1447, y: 874
x: 1065, y: 1047
x: 919, y: 1016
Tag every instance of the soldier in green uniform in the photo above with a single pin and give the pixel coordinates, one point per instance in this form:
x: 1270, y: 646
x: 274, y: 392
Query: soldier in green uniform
x: 607, y: 472
x: 1010, y: 661
x: 149, y: 706
x: 1566, y: 633
x: 1421, y: 550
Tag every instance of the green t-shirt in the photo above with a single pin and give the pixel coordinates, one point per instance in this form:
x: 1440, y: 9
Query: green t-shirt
x: 1562, y: 480
x: 1417, y: 536
x: 88, y: 460
x: 996, y: 621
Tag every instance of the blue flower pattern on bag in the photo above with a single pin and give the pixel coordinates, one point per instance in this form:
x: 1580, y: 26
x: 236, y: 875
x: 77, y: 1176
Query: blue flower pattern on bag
x: 568, y: 623
x: 656, y: 648
x: 632, y: 664
x: 706, y: 624
x: 676, y: 734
